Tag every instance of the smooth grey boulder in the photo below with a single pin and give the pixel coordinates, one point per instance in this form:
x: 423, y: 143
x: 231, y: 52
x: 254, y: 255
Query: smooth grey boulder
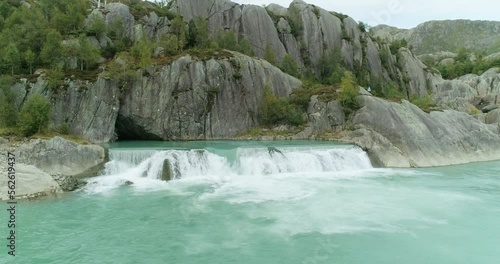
x: 3, y: 141
x: 30, y: 183
x: 492, y: 57
x: 119, y: 14
x: 493, y: 117
x: 277, y: 10
x: 58, y: 156
x: 402, y: 135
x: 448, y: 61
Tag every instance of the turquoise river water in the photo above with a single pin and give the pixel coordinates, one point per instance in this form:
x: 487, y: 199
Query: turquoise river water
x: 237, y: 202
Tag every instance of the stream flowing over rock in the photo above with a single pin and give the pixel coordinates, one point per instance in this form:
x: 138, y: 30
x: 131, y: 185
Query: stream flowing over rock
x: 218, y: 96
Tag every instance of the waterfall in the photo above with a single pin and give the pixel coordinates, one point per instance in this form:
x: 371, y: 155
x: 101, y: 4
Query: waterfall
x: 248, y: 161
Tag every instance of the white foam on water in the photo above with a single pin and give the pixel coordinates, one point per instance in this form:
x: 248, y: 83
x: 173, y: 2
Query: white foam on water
x: 256, y: 171
x: 300, y: 190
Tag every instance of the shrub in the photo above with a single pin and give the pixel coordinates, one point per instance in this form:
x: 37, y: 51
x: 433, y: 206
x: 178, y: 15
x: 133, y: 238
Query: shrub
x: 276, y: 111
x: 425, y: 103
x: 63, y: 129
x: 55, y: 79
x: 269, y: 55
x: 288, y: 65
x: 362, y: 26
x: 397, y: 44
x: 295, y: 21
x: 349, y: 91
x: 34, y: 115
x: 97, y: 27
x: 390, y: 91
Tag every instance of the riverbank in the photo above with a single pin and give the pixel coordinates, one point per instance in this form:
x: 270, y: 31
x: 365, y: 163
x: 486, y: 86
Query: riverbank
x: 46, y: 167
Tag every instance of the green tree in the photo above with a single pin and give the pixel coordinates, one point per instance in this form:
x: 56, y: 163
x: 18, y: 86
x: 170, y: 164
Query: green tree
x: 97, y: 26
x: 295, y: 20
x: 8, y: 109
x: 55, y: 79
x: 462, y: 56
x: 169, y: 45
x: 26, y: 28
x: 4, y: 9
x: 30, y: 58
x: 348, y: 91
x: 88, y: 54
x: 143, y: 51
x: 202, y: 38
x: 337, y: 73
x: 192, y: 33
x: 362, y: 26
x: 269, y: 55
x: 51, y: 52
x: 246, y: 47
x: 34, y: 115
x: 330, y: 62
x: 227, y: 40
x: 274, y: 111
x: 11, y: 57
x: 60, y: 21
x: 289, y: 66
x: 178, y: 28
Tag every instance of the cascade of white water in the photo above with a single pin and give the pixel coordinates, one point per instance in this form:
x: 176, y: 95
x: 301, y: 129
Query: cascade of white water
x: 249, y: 161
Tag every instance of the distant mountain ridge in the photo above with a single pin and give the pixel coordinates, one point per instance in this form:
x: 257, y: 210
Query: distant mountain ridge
x: 446, y: 35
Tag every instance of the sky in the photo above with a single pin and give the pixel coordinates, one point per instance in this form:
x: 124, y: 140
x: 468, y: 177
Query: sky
x: 402, y: 13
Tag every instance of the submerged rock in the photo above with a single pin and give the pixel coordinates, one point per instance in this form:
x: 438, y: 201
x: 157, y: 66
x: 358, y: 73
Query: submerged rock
x: 166, y: 173
x: 69, y: 183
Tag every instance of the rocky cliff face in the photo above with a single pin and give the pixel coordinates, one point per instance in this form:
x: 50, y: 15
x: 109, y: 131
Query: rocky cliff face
x: 402, y: 135
x: 186, y: 99
x: 305, y: 32
x: 192, y: 99
x: 470, y: 93
x: 219, y: 97
x: 448, y: 35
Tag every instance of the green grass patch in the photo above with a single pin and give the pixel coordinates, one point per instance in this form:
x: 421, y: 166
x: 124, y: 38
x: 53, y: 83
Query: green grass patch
x: 425, y: 103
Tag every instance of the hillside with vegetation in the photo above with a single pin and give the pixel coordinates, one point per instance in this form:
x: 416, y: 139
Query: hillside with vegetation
x: 187, y: 69
x: 482, y: 37
x: 52, y: 45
